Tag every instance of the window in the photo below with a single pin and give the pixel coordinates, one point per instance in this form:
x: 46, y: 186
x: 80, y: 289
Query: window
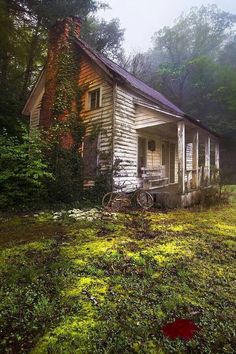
x: 94, y: 99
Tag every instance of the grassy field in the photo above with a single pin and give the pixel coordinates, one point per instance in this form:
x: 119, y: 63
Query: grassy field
x: 109, y: 285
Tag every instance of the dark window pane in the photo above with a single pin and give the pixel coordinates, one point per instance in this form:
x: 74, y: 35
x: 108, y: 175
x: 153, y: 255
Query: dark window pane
x: 94, y: 99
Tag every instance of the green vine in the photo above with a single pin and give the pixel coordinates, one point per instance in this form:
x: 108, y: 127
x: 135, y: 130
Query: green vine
x: 66, y: 162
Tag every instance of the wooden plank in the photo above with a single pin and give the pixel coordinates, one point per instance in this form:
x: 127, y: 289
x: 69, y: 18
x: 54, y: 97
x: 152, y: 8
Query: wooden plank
x: 217, y: 155
x: 207, y: 170
x: 196, y: 159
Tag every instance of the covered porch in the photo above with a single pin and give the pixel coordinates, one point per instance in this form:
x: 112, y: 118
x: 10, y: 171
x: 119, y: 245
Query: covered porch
x: 176, y: 158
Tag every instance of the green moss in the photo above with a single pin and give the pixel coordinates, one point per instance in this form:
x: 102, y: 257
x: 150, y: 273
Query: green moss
x: 72, y: 336
x: 97, y: 288
x: 44, y: 217
x: 230, y: 244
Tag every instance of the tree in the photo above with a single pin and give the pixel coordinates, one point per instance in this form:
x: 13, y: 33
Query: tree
x: 105, y: 37
x: 193, y: 64
x: 23, y: 46
x: 201, y: 32
x: 227, y: 55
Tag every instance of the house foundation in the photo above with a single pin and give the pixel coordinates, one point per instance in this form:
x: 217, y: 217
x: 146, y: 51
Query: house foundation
x: 169, y: 197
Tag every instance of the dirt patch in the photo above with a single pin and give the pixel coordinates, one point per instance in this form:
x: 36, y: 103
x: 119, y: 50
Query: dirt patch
x: 27, y: 231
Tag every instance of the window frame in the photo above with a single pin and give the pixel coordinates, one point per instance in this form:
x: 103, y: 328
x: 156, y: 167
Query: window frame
x: 90, y: 92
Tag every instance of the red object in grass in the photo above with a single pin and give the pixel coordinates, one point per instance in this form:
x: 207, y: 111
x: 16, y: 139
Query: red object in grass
x: 180, y: 328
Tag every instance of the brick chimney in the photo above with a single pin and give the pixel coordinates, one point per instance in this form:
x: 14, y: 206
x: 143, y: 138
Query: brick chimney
x: 58, y: 41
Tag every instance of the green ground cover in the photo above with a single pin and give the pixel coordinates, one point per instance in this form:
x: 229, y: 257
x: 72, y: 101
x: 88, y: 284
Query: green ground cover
x: 109, y: 285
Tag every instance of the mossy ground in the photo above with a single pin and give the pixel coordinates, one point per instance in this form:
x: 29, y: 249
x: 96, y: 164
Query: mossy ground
x: 108, y: 286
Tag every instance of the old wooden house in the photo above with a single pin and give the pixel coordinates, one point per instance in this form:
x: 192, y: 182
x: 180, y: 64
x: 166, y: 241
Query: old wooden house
x: 157, y: 145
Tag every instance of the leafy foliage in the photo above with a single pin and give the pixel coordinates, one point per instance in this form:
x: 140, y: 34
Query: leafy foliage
x: 193, y: 64
x: 65, y: 135
x: 23, y: 171
x: 23, y: 46
x: 105, y: 37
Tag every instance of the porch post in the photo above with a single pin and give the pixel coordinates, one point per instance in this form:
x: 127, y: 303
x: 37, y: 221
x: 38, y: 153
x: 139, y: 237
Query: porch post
x: 217, y: 155
x: 181, y: 156
x: 195, y: 159
x: 217, y: 160
x: 207, y: 172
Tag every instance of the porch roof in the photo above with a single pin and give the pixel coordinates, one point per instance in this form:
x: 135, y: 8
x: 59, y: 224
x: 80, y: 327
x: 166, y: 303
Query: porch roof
x: 127, y: 78
x: 194, y: 121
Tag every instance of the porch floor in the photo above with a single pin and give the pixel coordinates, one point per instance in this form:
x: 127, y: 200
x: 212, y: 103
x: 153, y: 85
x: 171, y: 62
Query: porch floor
x: 170, y: 188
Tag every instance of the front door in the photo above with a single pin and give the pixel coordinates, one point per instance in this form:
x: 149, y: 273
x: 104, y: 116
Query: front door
x: 142, y: 154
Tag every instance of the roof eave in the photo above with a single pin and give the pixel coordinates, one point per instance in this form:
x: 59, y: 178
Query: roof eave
x: 25, y: 111
x: 201, y: 125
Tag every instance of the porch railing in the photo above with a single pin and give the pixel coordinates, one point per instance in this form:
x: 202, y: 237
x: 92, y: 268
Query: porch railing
x: 202, y: 178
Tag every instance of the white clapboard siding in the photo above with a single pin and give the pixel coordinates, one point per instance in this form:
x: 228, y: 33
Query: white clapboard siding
x: 120, y: 124
x: 125, y: 140
x: 35, y: 116
x: 90, y: 78
x: 129, y: 121
x: 189, y: 156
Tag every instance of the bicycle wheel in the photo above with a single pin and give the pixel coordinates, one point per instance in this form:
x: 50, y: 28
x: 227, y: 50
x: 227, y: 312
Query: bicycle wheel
x: 144, y: 199
x: 115, y: 201
x: 108, y: 199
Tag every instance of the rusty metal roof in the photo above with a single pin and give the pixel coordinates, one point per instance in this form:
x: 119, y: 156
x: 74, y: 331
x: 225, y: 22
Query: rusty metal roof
x: 144, y: 90
x: 130, y: 79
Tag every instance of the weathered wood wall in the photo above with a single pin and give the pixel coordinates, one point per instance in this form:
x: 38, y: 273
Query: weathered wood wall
x: 125, y: 140
x: 119, y: 116
x: 127, y: 120
x: 189, y: 156
x: 35, y: 115
x: 102, y: 117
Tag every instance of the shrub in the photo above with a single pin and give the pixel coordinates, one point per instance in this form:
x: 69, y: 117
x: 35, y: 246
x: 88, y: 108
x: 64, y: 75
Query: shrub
x: 65, y: 163
x: 215, y: 196
x: 23, y: 171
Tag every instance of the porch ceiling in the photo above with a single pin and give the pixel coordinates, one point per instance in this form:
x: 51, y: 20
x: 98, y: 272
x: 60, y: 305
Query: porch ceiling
x: 170, y: 131
x: 167, y: 130
x: 152, y: 117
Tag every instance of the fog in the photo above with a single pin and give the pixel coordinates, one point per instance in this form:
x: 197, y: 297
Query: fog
x: 142, y: 18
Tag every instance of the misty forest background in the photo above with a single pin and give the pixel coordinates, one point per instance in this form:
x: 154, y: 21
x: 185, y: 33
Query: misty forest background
x: 193, y: 63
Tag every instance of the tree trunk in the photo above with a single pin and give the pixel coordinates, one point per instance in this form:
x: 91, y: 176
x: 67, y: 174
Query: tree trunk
x: 5, y: 55
x: 5, y: 60
x: 31, y: 59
